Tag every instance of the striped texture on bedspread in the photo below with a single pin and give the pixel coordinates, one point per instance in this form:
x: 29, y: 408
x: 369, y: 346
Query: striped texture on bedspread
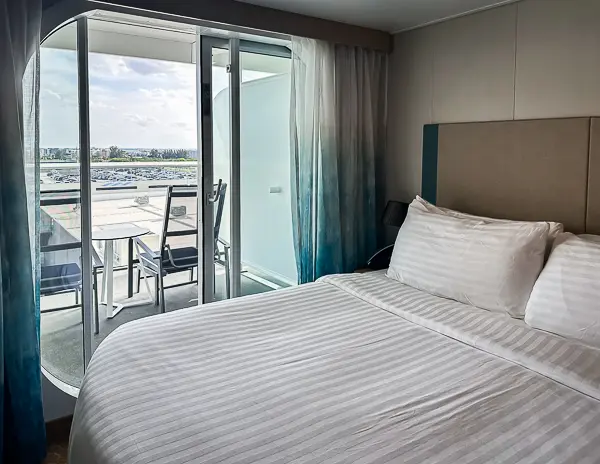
x: 567, y: 362
x: 352, y: 369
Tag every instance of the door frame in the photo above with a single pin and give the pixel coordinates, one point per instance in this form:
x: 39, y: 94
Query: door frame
x: 206, y: 265
x: 206, y: 179
x: 206, y: 169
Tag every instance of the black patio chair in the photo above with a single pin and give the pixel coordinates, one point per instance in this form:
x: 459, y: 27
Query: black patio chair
x: 176, y: 257
x: 56, y: 279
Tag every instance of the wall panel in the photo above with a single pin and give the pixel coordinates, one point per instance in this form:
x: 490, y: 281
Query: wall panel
x: 409, y: 109
x: 474, y: 66
x: 558, y: 59
x: 530, y: 60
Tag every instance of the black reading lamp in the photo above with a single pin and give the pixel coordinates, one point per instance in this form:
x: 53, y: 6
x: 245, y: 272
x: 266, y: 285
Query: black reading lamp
x: 393, y: 216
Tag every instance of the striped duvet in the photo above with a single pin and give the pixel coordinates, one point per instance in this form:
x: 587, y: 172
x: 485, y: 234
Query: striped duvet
x: 351, y: 369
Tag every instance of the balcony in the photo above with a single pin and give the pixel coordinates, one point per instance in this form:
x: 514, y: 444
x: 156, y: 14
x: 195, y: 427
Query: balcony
x: 145, y: 134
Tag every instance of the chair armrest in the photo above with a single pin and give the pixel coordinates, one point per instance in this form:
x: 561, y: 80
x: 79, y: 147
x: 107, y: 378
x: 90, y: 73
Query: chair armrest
x: 171, y: 259
x: 140, y: 244
x: 96, y: 260
x: 225, y: 253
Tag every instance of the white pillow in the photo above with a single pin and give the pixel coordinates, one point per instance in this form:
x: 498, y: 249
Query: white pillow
x: 566, y: 298
x: 556, y: 228
x: 489, y: 265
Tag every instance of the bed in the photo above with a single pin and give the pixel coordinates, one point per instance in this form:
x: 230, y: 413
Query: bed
x: 353, y: 368
x: 362, y: 368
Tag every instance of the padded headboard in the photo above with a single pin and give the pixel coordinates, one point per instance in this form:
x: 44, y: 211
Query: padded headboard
x: 547, y: 169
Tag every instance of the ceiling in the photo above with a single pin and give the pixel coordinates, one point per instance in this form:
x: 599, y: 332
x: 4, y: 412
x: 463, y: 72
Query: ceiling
x: 386, y: 15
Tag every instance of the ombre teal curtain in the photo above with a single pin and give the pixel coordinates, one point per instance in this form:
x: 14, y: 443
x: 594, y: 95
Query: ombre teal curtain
x: 338, y: 112
x: 23, y: 431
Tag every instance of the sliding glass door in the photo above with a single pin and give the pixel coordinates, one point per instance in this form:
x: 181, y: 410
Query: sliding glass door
x: 143, y: 128
x: 60, y: 209
x: 245, y: 139
x: 266, y: 238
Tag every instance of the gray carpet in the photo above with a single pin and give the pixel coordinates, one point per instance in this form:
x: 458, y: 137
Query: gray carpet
x: 62, y: 331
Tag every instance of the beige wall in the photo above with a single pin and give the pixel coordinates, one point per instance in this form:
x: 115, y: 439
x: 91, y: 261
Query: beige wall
x: 532, y: 59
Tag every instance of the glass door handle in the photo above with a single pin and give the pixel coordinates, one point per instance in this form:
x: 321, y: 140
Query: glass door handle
x: 214, y: 197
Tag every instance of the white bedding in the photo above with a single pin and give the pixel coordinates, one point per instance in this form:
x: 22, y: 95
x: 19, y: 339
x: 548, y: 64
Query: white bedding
x: 351, y: 369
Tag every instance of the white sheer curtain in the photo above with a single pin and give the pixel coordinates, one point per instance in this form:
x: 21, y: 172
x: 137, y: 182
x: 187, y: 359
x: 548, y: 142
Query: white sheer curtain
x: 338, y: 116
x: 23, y: 430
x: 31, y: 158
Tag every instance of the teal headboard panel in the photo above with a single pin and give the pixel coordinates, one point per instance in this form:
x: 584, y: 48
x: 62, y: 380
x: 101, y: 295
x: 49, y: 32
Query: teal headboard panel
x: 430, y: 162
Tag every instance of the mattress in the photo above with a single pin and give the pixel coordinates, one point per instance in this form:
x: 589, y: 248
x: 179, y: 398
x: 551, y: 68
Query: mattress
x: 350, y: 369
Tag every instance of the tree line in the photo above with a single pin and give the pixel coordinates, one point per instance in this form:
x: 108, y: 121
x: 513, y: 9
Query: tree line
x: 115, y: 152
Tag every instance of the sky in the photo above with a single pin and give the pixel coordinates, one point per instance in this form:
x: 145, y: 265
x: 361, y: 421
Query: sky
x: 134, y: 102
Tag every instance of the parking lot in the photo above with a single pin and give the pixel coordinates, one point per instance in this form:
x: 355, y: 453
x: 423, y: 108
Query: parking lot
x: 128, y: 174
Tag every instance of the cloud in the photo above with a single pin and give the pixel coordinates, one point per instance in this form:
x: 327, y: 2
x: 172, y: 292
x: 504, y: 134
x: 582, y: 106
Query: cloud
x: 100, y: 104
x: 159, y: 93
x: 52, y: 93
x: 181, y: 125
x: 140, y: 120
x: 148, y: 105
x: 147, y: 67
x: 107, y: 65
